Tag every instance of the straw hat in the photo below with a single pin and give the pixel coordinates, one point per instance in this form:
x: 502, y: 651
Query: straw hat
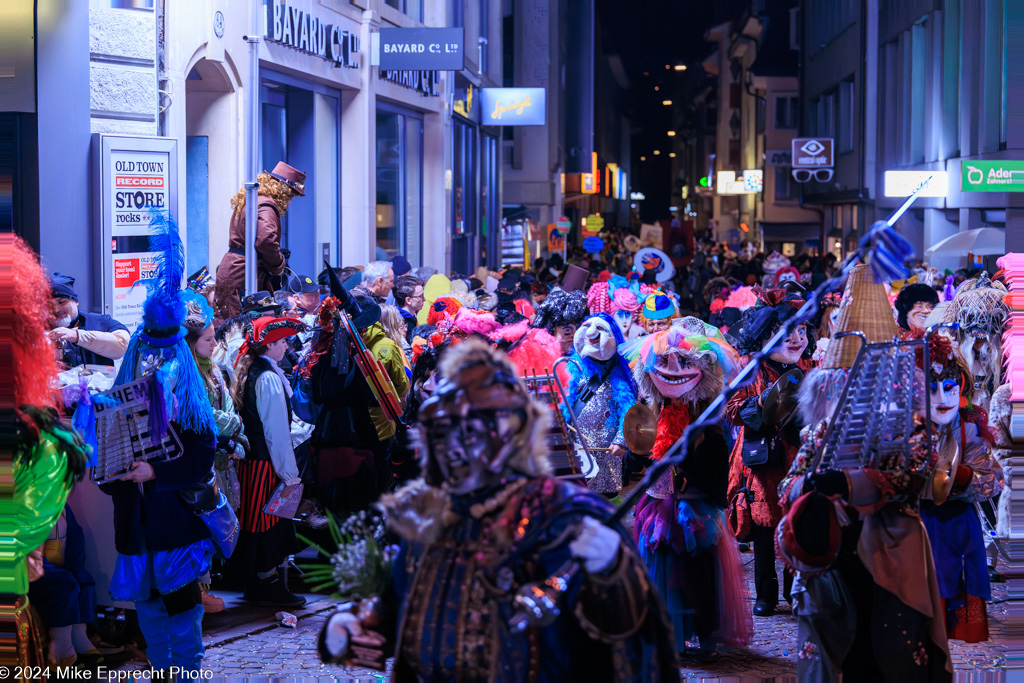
x: 865, y: 308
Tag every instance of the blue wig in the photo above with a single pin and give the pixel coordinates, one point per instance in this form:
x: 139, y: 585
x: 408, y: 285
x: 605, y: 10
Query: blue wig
x: 624, y: 393
x: 161, y: 334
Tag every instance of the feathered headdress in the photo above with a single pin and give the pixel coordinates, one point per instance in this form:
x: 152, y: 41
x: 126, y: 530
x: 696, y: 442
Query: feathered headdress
x: 159, y: 338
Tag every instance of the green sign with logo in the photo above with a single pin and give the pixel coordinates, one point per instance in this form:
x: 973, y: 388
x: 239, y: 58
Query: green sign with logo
x: 992, y: 176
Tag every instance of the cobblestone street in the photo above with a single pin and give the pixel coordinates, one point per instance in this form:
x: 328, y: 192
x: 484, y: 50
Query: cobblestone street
x: 264, y: 652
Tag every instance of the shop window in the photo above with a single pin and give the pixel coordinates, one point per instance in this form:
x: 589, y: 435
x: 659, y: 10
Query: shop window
x: 787, y: 115
x: 412, y: 8
x: 399, y: 213
x: 783, y: 183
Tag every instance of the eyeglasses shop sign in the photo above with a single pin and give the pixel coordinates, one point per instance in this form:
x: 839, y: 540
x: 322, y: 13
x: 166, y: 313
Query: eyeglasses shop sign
x: 513, y: 106
x: 306, y: 32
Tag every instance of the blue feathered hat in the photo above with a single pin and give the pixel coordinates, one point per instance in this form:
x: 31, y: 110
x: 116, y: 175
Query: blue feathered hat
x: 160, y: 337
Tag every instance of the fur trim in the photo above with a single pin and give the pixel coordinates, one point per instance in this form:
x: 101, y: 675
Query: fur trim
x: 474, y: 322
x: 819, y: 388
x: 741, y: 298
x: 417, y: 512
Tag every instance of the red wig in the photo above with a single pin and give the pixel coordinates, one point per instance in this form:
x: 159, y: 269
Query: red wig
x: 28, y: 367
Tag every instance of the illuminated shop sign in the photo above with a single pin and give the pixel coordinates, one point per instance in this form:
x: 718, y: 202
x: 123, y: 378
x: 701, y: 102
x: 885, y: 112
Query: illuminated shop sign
x: 905, y: 183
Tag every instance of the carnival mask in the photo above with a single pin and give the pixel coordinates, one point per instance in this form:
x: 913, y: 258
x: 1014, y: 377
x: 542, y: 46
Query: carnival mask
x: 564, y: 337
x: 945, y: 401
x: 918, y: 314
x: 471, y: 451
x: 787, y: 277
x: 595, y: 339
x: 674, y: 376
x: 624, y: 319
x: 790, y: 349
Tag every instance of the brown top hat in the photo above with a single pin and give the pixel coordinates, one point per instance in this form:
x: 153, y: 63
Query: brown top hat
x: 575, y: 279
x: 291, y: 177
x: 865, y: 308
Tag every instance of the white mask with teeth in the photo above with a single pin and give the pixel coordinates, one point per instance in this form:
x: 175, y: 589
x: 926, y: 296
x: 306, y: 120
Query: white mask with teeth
x: 595, y: 339
x: 674, y: 376
x: 945, y: 401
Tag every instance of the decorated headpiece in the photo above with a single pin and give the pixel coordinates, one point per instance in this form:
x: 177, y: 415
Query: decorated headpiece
x: 597, y: 298
x: 658, y: 307
x: 787, y: 273
x: 774, y: 262
x: 713, y: 356
x: 626, y: 300
x: 561, y: 309
x: 157, y: 345
x: 864, y: 308
x: 445, y: 306
x: 263, y: 332
x: 199, y: 314
x: 756, y: 326
x: 979, y: 307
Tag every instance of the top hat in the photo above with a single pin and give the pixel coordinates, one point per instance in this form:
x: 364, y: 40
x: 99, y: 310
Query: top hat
x: 292, y: 177
x: 575, y: 279
x: 865, y: 308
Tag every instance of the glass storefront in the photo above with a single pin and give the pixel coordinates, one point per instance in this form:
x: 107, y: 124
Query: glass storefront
x: 399, y: 185
x: 300, y: 126
x: 476, y: 207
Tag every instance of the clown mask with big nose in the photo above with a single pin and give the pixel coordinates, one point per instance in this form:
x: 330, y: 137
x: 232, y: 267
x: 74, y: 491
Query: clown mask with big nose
x: 595, y: 340
x: 674, y: 376
x: 945, y: 401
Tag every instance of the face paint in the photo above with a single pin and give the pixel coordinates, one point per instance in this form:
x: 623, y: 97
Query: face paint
x: 624, y: 319
x: 595, y: 339
x: 791, y: 348
x: 945, y: 401
x: 918, y: 314
x: 674, y: 377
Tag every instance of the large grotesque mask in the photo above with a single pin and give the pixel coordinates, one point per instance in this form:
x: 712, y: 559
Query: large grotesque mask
x: 477, y: 424
x: 675, y: 375
x: 595, y: 340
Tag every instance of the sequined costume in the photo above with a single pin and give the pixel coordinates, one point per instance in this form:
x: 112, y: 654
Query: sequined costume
x: 600, y: 392
x: 954, y: 529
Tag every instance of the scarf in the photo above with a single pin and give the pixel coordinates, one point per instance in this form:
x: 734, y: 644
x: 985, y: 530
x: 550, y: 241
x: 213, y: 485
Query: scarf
x: 673, y: 420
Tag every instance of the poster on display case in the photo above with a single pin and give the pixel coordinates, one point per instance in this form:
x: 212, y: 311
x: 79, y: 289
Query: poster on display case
x: 131, y: 175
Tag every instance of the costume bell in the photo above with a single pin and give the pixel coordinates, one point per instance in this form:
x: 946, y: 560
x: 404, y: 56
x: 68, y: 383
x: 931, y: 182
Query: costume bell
x: 488, y: 545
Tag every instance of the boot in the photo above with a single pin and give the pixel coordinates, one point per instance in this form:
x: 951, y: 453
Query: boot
x: 271, y: 592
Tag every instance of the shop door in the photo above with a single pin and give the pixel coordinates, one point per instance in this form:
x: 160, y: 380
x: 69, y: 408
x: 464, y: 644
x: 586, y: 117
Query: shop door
x: 466, y: 251
x: 197, y: 209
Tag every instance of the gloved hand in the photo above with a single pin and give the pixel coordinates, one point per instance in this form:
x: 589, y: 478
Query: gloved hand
x: 597, y: 546
x: 963, y: 476
x: 338, y: 632
x: 633, y: 466
x: 829, y: 483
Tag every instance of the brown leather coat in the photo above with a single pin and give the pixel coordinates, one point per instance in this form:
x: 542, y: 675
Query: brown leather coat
x: 269, y: 261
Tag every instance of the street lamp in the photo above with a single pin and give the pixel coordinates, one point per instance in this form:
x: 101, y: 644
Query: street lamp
x: 643, y: 158
x: 657, y: 152
x: 667, y: 103
x: 680, y: 67
x: 671, y: 155
x: 671, y: 133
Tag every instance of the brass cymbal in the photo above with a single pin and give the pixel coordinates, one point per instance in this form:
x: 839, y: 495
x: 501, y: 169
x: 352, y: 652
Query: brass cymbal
x: 639, y: 428
x: 782, y: 399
